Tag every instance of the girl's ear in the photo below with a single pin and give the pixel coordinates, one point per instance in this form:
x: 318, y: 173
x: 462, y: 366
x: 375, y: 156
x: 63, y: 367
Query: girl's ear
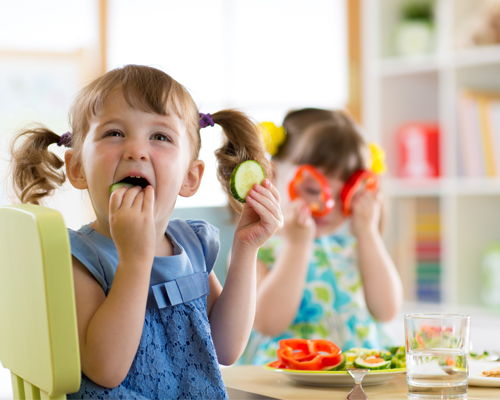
x: 74, y: 170
x: 193, y: 179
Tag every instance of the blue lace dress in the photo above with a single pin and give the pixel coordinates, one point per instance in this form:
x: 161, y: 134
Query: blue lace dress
x: 176, y: 357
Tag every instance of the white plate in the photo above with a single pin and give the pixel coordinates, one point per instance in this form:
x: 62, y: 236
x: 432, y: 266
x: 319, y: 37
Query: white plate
x: 336, y: 378
x: 476, y: 369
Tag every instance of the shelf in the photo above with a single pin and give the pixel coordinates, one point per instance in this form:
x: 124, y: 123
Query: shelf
x: 425, y: 88
x: 397, y: 187
x: 398, y: 66
x: 478, y: 186
x: 477, y: 56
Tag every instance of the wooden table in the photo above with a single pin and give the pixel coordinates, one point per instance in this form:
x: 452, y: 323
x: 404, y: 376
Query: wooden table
x: 256, y: 379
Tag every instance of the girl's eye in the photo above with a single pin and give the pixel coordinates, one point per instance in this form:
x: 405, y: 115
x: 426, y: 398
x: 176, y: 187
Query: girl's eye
x: 160, y: 136
x: 113, y: 133
x: 311, y: 191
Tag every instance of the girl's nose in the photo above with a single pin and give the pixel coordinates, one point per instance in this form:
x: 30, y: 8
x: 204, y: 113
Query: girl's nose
x: 136, y: 150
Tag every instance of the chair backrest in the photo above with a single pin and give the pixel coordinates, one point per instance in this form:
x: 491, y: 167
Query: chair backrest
x: 38, y: 331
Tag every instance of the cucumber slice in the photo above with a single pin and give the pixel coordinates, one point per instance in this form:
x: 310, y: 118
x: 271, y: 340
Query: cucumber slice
x: 118, y: 185
x: 243, y: 177
x: 365, y: 363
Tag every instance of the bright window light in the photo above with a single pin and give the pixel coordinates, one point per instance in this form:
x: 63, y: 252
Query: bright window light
x: 264, y: 57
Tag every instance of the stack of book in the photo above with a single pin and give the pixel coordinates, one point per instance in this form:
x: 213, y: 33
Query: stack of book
x: 479, y: 134
x: 428, y: 250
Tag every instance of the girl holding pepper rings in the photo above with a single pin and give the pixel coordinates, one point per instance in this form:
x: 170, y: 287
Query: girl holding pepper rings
x: 327, y: 274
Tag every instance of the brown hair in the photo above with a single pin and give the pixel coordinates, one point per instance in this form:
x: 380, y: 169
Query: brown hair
x: 335, y: 145
x: 295, y: 123
x: 36, y: 169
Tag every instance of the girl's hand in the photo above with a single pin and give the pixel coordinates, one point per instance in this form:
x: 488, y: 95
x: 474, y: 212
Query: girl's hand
x: 299, y: 226
x: 131, y: 222
x: 366, y: 210
x: 261, y: 217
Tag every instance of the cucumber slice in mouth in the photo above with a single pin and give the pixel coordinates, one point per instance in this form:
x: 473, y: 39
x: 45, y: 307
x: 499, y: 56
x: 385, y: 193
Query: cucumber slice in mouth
x: 243, y: 177
x: 118, y: 185
x: 130, y: 182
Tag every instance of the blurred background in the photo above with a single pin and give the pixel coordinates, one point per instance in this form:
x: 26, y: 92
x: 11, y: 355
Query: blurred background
x: 421, y: 76
x: 263, y: 57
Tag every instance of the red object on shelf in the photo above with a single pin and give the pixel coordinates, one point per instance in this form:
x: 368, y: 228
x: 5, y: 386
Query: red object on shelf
x: 418, y: 145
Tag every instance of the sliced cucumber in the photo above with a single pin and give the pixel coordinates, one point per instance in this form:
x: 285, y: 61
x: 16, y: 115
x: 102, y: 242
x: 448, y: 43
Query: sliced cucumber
x: 243, y: 177
x: 372, y: 362
x: 118, y: 185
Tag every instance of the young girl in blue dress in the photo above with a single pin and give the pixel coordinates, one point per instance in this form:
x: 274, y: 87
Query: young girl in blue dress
x: 153, y: 320
x: 327, y: 277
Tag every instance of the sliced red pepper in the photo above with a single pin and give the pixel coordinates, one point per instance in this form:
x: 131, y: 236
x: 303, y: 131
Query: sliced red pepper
x: 303, y: 354
x: 326, y: 202
x: 359, y: 179
x: 277, y: 364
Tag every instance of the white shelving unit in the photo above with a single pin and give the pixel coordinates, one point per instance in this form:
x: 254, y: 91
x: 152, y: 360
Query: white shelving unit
x: 424, y: 89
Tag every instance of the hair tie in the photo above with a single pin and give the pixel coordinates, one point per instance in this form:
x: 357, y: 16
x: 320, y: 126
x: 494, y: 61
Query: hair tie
x: 377, y: 158
x: 206, y: 120
x: 65, y: 140
x: 274, y: 136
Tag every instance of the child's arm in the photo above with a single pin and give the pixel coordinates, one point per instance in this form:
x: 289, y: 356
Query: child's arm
x: 110, y: 328
x: 280, y: 289
x: 232, y: 309
x: 381, y: 282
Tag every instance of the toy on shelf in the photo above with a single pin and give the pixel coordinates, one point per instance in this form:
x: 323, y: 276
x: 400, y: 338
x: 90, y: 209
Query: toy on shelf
x: 481, y: 27
x: 418, y: 145
x: 414, y: 34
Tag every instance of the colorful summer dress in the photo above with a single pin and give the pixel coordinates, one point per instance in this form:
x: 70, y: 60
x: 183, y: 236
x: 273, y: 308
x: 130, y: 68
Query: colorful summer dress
x: 176, y: 357
x: 333, y: 306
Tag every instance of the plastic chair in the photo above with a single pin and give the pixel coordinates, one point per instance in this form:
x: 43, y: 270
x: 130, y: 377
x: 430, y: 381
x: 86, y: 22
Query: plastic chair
x: 38, y: 330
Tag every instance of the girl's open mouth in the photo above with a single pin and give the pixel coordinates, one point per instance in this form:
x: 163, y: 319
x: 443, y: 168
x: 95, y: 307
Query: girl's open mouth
x: 135, y: 181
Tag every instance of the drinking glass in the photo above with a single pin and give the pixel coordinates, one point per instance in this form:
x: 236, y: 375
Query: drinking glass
x: 437, y: 355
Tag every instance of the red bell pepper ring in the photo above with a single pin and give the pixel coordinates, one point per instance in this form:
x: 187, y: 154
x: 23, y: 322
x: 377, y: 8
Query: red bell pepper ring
x: 277, y: 364
x: 359, y: 179
x: 326, y: 202
x: 313, y: 355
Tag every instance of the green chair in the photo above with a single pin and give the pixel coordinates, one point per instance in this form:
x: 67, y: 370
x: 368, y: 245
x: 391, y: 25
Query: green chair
x: 38, y: 330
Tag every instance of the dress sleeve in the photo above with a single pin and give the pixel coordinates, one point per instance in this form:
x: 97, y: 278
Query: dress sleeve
x: 209, y: 239
x: 83, y: 250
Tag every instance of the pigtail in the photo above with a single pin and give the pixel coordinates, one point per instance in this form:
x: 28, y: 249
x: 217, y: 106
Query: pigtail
x: 36, y: 170
x: 243, y: 141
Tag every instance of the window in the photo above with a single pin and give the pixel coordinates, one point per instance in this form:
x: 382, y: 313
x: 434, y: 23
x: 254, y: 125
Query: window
x: 44, y: 58
x: 264, y: 57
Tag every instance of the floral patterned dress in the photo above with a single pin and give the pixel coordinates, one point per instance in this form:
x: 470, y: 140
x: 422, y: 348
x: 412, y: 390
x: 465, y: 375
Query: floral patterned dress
x: 333, y: 306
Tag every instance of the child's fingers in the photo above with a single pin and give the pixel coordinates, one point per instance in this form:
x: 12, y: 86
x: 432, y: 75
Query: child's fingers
x: 149, y: 199
x: 271, y: 204
x: 265, y: 215
x: 268, y: 185
x: 129, y: 197
x: 116, y: 198
x: 304, y: 215
x: 265, y: 192
x: 138, y: 200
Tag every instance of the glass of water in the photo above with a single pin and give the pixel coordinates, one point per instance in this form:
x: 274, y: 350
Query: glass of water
x: 437, y: 355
